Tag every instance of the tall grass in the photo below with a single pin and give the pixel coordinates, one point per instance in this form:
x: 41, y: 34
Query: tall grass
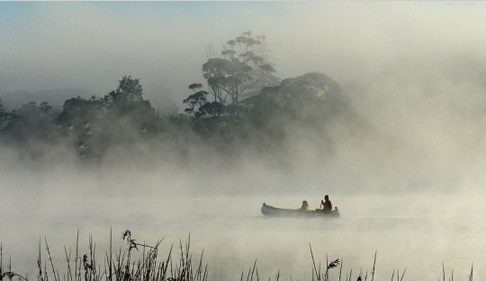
x: 140, y: 261
x: 122, y: 264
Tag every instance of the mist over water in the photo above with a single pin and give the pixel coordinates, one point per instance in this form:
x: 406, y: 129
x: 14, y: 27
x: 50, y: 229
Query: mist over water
x: 418, y: 228
x: 405, y: 166
x: 405, y: 230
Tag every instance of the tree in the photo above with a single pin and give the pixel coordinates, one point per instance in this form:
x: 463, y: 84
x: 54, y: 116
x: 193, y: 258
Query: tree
x: 226, y: 73
x: 30, y: 122
x: 2, y: 107
x: 5, y: 117
x: 311, y: 98
x: 121, y: 116
x: 198, y: 105
x: 128, y: 88
x: 195, y: 100
x: 210, y: 109
x: 224, y: 77
x: 242, y: 67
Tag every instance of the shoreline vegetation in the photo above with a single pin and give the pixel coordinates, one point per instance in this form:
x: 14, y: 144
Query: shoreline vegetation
x: 239, y: 103
x: 141, y: 261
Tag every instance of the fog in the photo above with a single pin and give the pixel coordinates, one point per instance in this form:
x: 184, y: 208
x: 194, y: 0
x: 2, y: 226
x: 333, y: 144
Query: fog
x: 406, y: 169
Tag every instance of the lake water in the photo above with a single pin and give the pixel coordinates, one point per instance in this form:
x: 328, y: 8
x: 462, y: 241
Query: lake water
x: 418, y: 232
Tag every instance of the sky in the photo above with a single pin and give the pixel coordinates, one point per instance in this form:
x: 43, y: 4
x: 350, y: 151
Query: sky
x: 86, y: 47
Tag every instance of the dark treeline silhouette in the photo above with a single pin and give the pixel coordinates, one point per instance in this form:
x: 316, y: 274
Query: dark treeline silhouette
x: 241, y: 102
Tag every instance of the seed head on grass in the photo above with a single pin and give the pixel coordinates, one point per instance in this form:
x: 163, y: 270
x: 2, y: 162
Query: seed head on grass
x: 10, y: 275
x: 333, y: 264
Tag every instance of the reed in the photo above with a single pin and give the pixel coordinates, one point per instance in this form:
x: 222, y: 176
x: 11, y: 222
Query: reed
x: 137, y: 261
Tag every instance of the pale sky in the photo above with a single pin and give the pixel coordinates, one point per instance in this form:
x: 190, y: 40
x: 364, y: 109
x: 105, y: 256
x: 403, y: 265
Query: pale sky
x: 91, y: 45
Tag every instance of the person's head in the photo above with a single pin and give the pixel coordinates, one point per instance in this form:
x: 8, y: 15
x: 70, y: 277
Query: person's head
x: 326, y: 197
x: 304, y: 203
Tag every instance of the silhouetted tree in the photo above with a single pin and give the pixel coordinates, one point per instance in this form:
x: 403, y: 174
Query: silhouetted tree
x: 128, y: 89
x: 312, y: 98
x: 210, y: 109
x: 121, y: 116
x: 5, y: 117
x: 2, y: 107
x: 195, y: 100
x: 226, y: 73
x: 30, y: 122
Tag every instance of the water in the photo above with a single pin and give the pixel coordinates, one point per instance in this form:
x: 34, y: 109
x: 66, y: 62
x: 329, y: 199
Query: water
x: 418, y: 232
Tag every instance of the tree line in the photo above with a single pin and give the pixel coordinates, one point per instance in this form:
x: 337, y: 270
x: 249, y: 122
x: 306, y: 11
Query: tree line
x: 239, y: 100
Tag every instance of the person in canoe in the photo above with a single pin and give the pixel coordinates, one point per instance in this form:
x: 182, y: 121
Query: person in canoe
x: 305, y: 206
x: 326, y: 204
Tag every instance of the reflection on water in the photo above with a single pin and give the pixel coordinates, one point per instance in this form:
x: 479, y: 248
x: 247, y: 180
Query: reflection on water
x: 418, y: 233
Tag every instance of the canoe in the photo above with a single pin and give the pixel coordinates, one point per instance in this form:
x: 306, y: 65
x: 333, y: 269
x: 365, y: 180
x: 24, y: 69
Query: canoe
x: 271, y: 211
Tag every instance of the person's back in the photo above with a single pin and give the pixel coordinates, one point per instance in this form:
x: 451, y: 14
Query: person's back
x: 327, y: 205
x: 305, y: 206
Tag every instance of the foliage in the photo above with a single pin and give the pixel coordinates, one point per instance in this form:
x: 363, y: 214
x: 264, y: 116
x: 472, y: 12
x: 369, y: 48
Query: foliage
x: 120, y: 116
x: 5, y: 117
x: 311, y: 98
x: 31, y: 121
x: 213, y: 113
x: 226, y: 73
x: 195, y: 100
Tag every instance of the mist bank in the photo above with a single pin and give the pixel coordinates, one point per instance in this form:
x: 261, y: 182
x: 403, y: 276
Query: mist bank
x: 241, y: 108
x: 409, y: 126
